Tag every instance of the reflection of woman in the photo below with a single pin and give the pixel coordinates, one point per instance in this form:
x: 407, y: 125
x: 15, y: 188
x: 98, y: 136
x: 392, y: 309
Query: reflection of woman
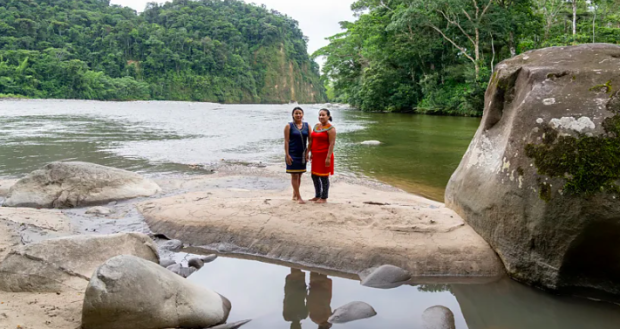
x: 295, y: 139
x: 319, y: 299
x: 295, y: 298
x: 322, y: 142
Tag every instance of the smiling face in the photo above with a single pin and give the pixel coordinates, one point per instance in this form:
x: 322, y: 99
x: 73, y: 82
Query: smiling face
x: 298, y: 115
x: 323, y: 117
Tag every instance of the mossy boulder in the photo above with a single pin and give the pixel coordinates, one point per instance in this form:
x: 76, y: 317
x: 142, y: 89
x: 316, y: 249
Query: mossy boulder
x: 541, y: 179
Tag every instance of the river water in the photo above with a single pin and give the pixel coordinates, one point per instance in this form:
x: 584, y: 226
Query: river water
x: 418, y: 154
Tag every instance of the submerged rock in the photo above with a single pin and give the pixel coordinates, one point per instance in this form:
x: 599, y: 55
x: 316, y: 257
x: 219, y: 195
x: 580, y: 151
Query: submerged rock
x: 351, y: 312
x: 438, y: 317
x: 65, y: 264
x: 73, y: 184
x: 372, y: 143
x: 540, y: 181
x: 384, y: 277
x: 127, y: 292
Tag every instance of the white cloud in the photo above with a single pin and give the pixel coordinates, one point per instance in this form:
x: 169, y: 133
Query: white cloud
x: 318, y: 19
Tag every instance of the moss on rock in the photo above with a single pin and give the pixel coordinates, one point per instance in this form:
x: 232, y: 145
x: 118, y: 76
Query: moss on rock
x: 588, y: 164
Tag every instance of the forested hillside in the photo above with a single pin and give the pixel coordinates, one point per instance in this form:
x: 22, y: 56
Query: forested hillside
x: 436, y: 56
x: 207, y: 50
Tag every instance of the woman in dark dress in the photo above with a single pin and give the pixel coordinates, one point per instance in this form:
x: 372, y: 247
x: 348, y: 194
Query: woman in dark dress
x: 295, y: 145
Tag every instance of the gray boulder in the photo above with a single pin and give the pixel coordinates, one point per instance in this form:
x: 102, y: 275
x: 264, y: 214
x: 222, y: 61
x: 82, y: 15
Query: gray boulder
x: 351, y: 312
x: 73, y: 184
x: 384, y: 277
x: 438, y: 317
x: 540, y: 181
x: 127, y: 292
x: 66, y: 264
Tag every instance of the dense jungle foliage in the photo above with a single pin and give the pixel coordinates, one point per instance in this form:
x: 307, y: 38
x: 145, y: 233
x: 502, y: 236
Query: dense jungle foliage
x: 436, y: 56
x: 207, y: 50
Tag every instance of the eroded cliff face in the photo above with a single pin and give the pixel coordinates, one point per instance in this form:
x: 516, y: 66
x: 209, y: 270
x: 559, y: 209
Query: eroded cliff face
x: 539, y: 181
x: 286, y: 80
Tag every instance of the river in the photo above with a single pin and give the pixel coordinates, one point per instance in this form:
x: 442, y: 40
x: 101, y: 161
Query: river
x: 418, y: 154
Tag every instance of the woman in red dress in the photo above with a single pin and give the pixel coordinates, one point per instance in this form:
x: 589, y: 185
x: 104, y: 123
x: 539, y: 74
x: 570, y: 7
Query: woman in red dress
x: 321, y: 144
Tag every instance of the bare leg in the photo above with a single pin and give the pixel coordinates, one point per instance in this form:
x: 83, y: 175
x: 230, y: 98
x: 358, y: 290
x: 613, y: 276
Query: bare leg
x: 299, y: 199
x: 295, y: 179
x: 293, y: 183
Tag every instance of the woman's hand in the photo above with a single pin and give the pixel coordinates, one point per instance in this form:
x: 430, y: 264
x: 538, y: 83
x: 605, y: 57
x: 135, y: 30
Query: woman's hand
x: 328, y: 162
x: 308, y: 156
x: 288, y: 159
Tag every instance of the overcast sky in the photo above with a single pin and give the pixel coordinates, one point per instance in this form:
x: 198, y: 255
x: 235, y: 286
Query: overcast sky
x: 318, y: 19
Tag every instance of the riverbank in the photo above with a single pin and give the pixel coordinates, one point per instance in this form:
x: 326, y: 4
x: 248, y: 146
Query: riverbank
x: 248, y: 211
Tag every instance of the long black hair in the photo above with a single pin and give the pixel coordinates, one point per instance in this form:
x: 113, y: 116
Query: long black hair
x: 328, y: 114
x: 295, y: 109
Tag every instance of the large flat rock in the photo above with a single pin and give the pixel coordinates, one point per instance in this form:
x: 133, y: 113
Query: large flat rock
x: 366, y: 228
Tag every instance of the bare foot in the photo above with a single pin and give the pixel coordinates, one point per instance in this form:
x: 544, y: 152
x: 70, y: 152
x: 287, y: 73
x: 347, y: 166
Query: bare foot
x: 314, y: 199
x: 295, y: 198
x: 322, y: 201
x: 300, y: 201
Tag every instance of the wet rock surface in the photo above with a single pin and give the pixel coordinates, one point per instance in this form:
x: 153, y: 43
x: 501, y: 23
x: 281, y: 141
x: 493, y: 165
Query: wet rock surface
x: 65, y: 264
x: 384, y: 277
x: 121, y: 295
x: 72, y: 184
x: 438, y: 317
x: 351, y: 312
x: 540, y: 180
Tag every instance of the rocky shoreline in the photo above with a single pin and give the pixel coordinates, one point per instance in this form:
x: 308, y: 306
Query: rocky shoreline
x: 363, y: 227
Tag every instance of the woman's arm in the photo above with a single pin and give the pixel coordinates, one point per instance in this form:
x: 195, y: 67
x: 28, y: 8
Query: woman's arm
x: 332, y: 142
x: 308, y: 155
x: 287, y: 157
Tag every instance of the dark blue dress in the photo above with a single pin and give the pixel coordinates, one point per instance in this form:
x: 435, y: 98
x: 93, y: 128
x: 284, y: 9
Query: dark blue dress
x: 297, y: 146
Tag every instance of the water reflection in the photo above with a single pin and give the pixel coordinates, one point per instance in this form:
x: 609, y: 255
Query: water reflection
x: 315, y: 302
x: 319, y: 299
x: 309, y: 297
x: 294, y: 309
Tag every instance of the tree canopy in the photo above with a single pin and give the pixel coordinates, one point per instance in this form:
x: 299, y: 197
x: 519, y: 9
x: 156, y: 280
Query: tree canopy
x: 436, y: 56
x: 207, y: 50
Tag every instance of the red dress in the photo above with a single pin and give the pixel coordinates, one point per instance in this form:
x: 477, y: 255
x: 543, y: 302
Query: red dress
x: 320, y: 148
